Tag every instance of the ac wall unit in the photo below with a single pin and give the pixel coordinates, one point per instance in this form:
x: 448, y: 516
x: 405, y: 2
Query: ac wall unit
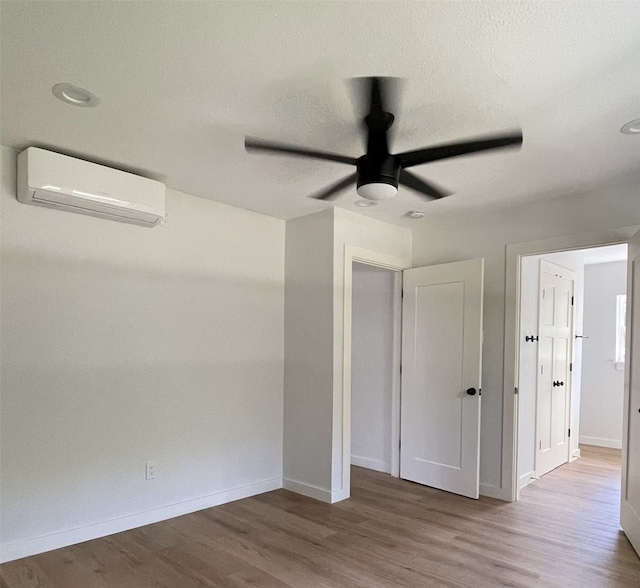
x: 59, y: 181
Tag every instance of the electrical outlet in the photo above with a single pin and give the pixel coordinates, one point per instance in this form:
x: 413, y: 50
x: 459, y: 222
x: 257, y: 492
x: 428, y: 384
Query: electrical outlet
x: 150, y: 470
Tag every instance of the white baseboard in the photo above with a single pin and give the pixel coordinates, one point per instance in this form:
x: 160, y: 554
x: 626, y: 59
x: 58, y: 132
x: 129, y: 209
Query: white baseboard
x: 338, y: 495
x: 371, y: 464
x: 315, y: 492
x: 307, y: 490
x: 599, y: 442
x: 575, y: 454
x: 20, y: 549
x: 495, y: 492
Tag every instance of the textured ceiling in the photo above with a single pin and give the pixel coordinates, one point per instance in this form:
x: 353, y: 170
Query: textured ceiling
x: 181, y: 83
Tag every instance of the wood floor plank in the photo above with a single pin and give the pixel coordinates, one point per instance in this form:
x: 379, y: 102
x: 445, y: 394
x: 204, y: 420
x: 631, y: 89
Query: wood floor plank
x: 564, y: 532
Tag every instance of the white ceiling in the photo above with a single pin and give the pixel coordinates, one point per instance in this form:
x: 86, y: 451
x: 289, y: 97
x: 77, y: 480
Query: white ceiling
x: 182, y: 83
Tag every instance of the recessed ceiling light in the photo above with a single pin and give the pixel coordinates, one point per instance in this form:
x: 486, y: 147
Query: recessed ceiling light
x: 366, y: 203
x: 415, y: 214
x: 631, y: 128
x: 75, y: 95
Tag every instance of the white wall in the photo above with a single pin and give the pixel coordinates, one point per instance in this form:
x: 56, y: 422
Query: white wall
x: 122, y: 344
x: 372, y: 366
x: 529, y: 306
x: 308, y: 373
x: 486, y: 233
x: 602, y: 383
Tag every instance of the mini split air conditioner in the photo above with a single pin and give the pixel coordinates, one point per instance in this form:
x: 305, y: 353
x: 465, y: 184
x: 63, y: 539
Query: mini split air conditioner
x: 58, y: 181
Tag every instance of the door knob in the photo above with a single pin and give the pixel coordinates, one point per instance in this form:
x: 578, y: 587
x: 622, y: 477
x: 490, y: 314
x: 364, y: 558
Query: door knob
x: 471, y: 391
x: 555, y: 383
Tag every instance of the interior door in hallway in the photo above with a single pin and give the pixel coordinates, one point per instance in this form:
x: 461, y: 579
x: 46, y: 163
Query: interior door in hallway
x: 441, y: 370
x: 630, y: 495
x: 555, y: 350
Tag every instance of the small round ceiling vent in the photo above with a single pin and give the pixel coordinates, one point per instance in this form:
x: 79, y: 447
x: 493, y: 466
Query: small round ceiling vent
x: 366, y: 203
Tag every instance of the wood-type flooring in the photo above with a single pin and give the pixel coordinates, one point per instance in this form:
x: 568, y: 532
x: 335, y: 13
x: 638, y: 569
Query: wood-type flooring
x: 562, y: 533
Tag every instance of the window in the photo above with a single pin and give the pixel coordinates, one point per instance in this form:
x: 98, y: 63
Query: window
x: 621, y: 327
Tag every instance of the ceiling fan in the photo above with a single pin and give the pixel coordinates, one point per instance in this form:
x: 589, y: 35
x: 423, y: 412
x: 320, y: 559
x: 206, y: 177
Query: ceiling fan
x: 379, y: 172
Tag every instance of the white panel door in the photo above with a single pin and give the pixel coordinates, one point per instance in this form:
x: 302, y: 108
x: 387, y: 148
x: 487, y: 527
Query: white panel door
x: 441, y: 370
x: 630, y: 495
x: 555, y: 347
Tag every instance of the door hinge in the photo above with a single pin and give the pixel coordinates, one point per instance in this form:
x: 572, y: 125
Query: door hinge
x: 400, y: 369
x: 515, y: 390
x: 569, y: 433
x: 570, y: 367
x: 572, y: 301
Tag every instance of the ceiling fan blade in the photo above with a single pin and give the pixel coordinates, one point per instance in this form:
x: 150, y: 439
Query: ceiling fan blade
x: 419, y: 185
x: 251, y: 144
x: 428, y: 154
x: 332, y: 191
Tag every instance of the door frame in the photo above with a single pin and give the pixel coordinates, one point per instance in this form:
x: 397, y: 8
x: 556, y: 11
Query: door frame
x: 509, y: 480
x: 397, y: 264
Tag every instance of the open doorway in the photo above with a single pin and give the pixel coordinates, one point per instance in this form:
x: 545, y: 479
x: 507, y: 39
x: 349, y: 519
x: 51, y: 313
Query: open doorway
x: 570, y: 387
x: 396, y: 265
x: 375, y: 362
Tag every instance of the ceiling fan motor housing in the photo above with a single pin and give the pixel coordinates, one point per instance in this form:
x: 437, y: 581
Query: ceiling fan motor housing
x: 377, y: 170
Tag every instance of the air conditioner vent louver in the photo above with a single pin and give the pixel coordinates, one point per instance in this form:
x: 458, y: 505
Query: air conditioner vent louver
x: 75, y: 204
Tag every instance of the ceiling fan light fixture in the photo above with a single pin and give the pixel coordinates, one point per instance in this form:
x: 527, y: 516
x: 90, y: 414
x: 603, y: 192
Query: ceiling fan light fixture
x: 377, y: 191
